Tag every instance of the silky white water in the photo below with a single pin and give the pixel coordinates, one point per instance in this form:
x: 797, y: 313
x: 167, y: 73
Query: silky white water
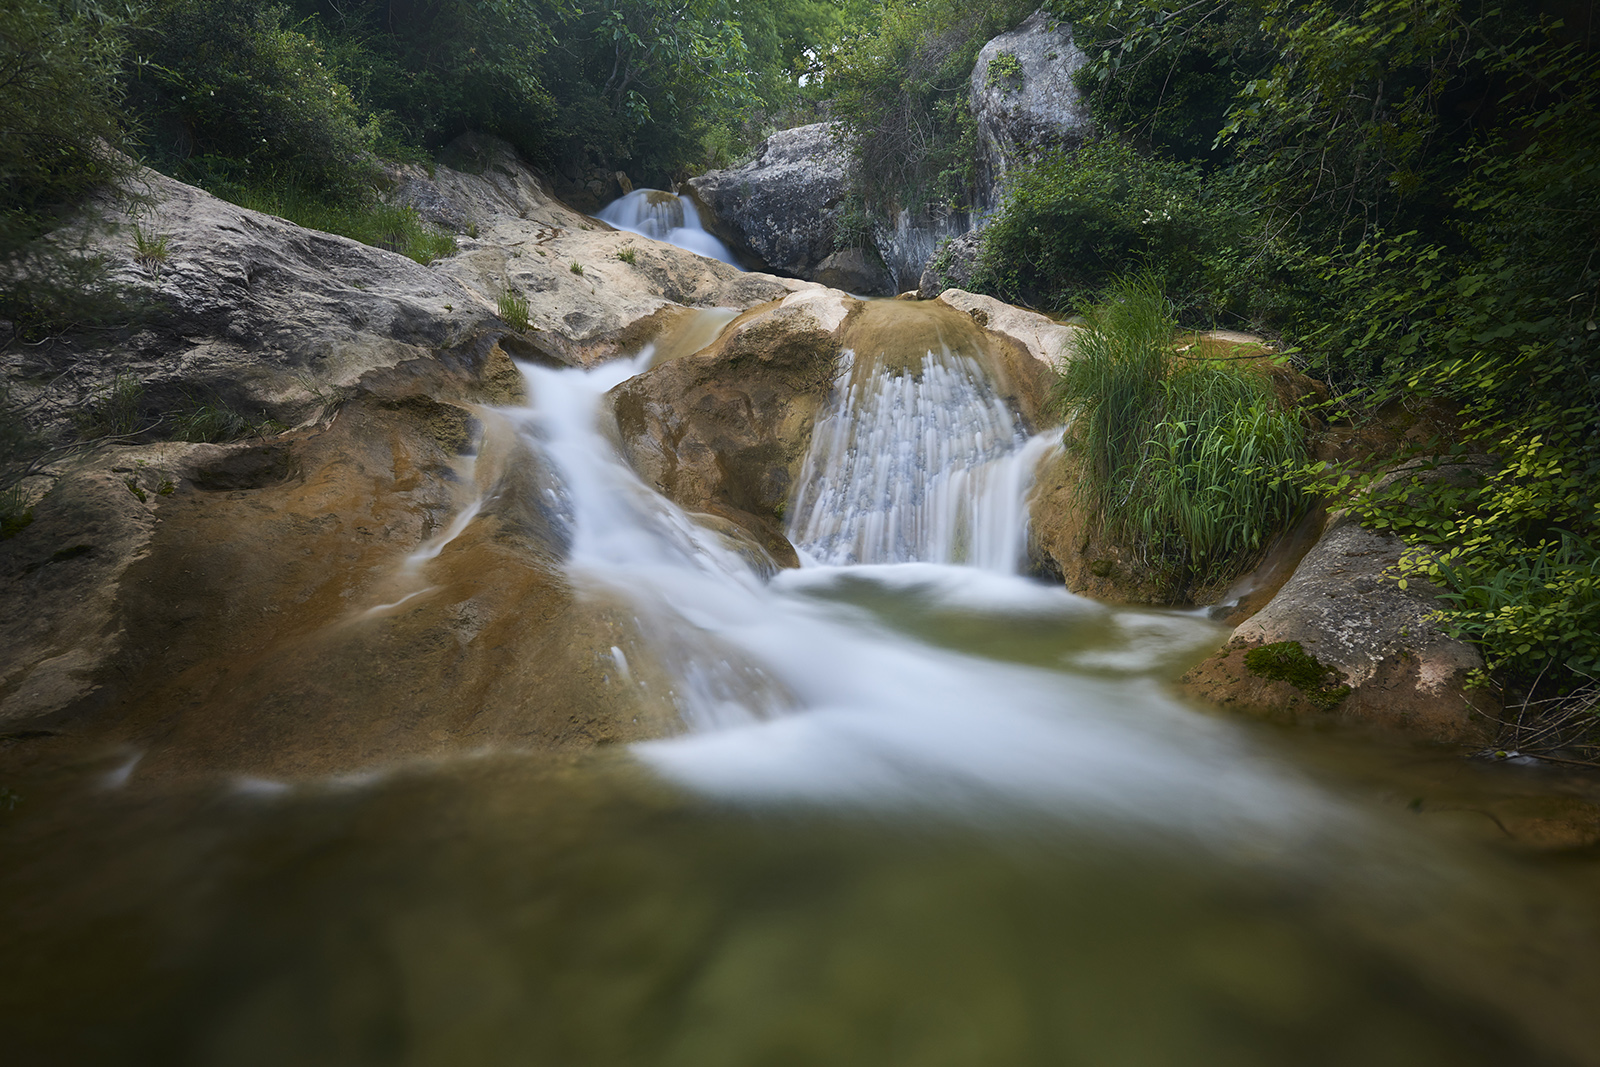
x: 917, y: 465
x: 665, y: 217
x: 798, y: 689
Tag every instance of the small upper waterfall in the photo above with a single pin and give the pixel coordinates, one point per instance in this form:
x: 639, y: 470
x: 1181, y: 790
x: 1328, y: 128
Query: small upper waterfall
x: 665, y: 217
x: 915, y: 463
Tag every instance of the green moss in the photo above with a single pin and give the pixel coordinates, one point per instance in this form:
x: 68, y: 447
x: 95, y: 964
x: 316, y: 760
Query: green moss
x: 1287, y: 661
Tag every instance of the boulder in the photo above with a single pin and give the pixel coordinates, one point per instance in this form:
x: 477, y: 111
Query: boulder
x: 1343, y: 641
x: 1023, y: 99
x: 260, y: 606
x: 952, y: 266
x: 725, y: 430
x: 782, y: 209
x: 855, y: 270
x: 276, y: 320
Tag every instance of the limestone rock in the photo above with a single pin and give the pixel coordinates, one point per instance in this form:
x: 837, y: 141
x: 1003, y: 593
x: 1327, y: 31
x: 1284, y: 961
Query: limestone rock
x: 782, y: 208
x: 725, y: 430
x: 952, y: 265
x: 855, y: 270
x: 1346, y: 611
x: 1023, y: 97
x: 273, y: 319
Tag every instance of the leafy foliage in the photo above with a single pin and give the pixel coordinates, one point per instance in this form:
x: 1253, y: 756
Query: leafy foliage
x: 232, y: 80
x: 901, y: 91
x: 1072, y: 223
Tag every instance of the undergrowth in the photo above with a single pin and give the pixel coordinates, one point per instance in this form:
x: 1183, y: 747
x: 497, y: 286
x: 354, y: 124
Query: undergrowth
x: 1186, y: 461
x: 361, y: 216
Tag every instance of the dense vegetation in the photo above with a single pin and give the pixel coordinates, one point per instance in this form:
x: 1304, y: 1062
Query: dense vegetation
x: 1184, y: 456
x: 289, y: 104
x: 1407, y: 191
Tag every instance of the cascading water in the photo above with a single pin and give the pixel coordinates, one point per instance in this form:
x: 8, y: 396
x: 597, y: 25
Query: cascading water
x: 970, y: 828
x: 921, y: 464
x: 665, y: 217
x: 790, y: 689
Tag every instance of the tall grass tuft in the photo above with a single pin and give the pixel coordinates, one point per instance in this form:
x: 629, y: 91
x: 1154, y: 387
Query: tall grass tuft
x: 1185, y: 460
x: 513, y: 308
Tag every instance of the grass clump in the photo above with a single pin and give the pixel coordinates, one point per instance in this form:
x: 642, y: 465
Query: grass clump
x: 211, y: 420
x: 1185, y: 459
x: 150, y: 250
x: 1288, y: 661
x: 576, y: 268
x: 396, y: 227
x: 628, y: 256
x: 513, y: 309
x: 116, y: 410
x: 15, y: 514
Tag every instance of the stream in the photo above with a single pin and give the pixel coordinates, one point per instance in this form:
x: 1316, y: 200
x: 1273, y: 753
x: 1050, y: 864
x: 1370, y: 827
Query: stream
x: 923, y: 809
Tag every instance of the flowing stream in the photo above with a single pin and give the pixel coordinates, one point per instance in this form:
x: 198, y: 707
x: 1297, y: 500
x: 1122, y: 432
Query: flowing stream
x: 922, y: 810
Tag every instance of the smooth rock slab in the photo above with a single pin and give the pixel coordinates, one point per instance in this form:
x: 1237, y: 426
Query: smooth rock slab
x: 1345, y: 608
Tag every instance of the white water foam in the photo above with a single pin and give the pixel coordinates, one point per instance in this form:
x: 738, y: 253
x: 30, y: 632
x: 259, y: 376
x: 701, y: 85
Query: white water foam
x: 665, y: 217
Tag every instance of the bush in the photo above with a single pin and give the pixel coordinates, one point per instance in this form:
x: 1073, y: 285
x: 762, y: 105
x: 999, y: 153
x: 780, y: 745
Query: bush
x: 1185, y: 461
x: 1075, y: 221
x: 901, y: 91
x: 232, y: 80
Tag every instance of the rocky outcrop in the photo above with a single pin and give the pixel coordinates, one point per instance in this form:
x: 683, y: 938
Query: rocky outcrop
x: 951, y: 266
x: 725, y: 430
x: 250, y: 606
x: 781, y: 210
x: 855, y: 270
x: 1023, y: 98
x: 1342, y: 640
x: 275, y: 320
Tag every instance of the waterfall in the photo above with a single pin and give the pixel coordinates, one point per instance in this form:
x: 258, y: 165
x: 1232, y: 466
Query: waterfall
x: 922, y: 463
x: 817, y: 685
x: 665, y: 217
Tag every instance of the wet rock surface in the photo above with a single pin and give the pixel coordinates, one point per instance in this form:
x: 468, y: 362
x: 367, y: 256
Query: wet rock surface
x: 725, y: 430
x: 254, y: 607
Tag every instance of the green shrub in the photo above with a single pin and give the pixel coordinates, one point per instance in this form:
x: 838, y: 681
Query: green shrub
x: 234, y: 80
x: 1076, y: 220
x: 901, y: 90
x: 1186, y: 461
x: 628, y: 256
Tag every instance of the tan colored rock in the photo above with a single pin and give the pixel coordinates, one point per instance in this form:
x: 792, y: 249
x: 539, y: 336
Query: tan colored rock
x: 1065, y: 541
x: 725, y: 430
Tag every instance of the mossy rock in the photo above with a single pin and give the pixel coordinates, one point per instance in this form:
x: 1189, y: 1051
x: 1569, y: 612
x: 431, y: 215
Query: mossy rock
x: 1287, y: 661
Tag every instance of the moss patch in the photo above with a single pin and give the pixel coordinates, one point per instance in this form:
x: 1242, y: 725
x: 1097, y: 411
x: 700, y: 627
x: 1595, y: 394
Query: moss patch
x: 1287, y: 661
